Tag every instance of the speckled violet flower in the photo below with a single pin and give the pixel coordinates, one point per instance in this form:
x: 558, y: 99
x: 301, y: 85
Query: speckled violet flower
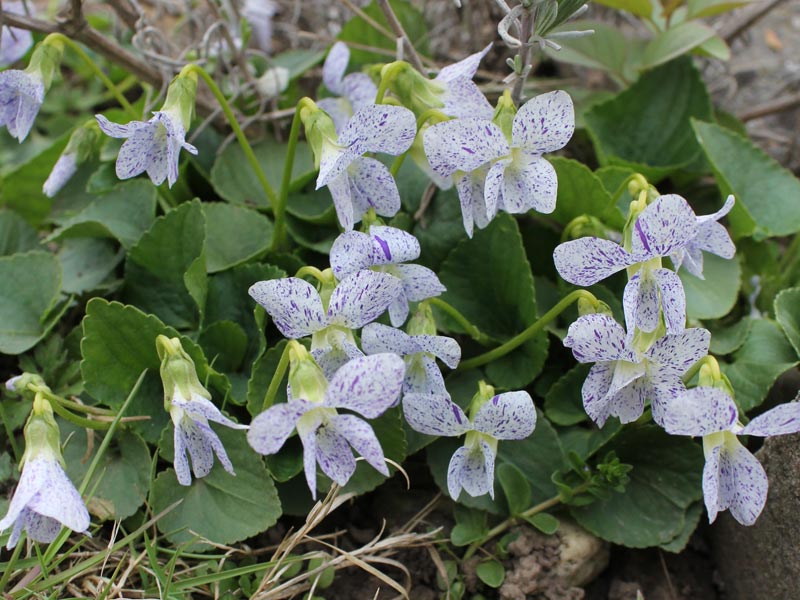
x: 711, y: 237
x: 509, y: 174
x: 384, y: 249
x: 461, y: 96
x: 358, y: 183
x: 509, y: 416
x: 623, y: 377
x: 664, y: 227
x: 419, y: 352
x: 355, y: 90
x: 152, y: 146
x: 368, y: 386
x: 190, y: 408
x: 21, y: 96
x: 297, y: 310
x: 732, y: 478
x: 14, y: 42
x: 62, y: 172
x: 45, y: 498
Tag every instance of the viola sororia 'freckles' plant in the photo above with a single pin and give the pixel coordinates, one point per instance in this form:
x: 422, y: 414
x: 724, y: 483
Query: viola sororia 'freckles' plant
x: 416, y: 321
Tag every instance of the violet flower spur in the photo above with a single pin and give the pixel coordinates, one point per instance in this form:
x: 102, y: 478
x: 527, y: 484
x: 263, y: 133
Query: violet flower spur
x: 711, y: 237
x: 732, y: 478
x: 368, y: 386
x: 662, y: 228
x: 358, y: 183
x: 624, y: 377
x: 14, y: 42
x: 21, y: 97
x: 508, y: 416
x: 297, y: 310
x: 190, y: 408
x: 356, y: 90
x: 419, y: 352
x: 384, y: 249
x: 45, y: 498
x: 506, y: 169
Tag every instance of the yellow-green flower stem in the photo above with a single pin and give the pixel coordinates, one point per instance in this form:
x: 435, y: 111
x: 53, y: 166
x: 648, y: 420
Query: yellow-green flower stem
x: 79, y: 421
x: 471, y: 330
x: 708, y: 361
x: 508, y: 523
x: 69, y: 404
x: 123, y: 102
x: 313, y: 272
x: 272, y: 197
x: 286, y: 179
x: 55, y: 546
x: 531, y: 331
x: 388, y: 73
x: 277, y: 377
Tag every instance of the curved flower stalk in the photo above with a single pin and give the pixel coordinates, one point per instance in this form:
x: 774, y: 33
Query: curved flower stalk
x: 495, y: 170
x: 663, y: 228
x: 732, y: 478
x: 14, y: 42
x: 22, y: 92
x: 358, y: 183
x: 154, y: 146
x: 509, y: 416
x: 711, y: 237
x: 355, y: 90
x: 419, y: 352
x: 385, y: 249
x: 368, y: 386
x: 45, y: 498
x: 297, y: 309
x: 190, y: 408
x: 624, y: 377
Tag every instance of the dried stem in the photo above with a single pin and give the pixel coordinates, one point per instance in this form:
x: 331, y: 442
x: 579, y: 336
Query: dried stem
x: 397, y: 27
x: 524, y: 53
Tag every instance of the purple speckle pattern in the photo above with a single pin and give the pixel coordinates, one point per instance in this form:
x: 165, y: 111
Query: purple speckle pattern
x: 334, y: 455
x: 419, y: 282
x: 351, y: 252
x: 270, y: 430
x: 471, y: 469
x: 587, y: 260
x: 597, y: 338
x: 335, y: 66
x: 62, y: 172
x: 530, y: 183
x: 781, y: 420
x: 711, y: 237
x: 342, y: 195
x: 462, y: 98
x: 509, y: 416
x: 21, y: 96
x: 361, y: 298
x: 463, y: 145
x: 444, y: 348
x: 372, y: 186
x: 361, y: 437
x: 392, y: 246
x: 379, y: 128
x: 544, y: 123
x: 665, y: 225
x: 423, y: 376
x: 339, y: 351
x: 475, y: 209
x: 14, y: 42
x: 367, y: 385
x: 377, y: 338
x: 294, y: 305
x: 44, y: 500
x: 435, y: 414
x: 733, y: 478
x: 673, y: 300
x: 676, y: 353
x: 700, y: 411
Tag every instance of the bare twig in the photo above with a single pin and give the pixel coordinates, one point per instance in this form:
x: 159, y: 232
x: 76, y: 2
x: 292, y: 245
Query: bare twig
x: 397, y: 27
x: 770, y: 108
x: 745, y: 18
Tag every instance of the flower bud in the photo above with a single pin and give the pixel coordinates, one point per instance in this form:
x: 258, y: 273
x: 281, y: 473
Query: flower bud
x: 412, y: 88
x: 422, y: 321
x: 46, y: 60
x: 306, y: 379
x: 320, y: 130
x: 178, y: 372
x: 42, y: 437
x: 181, y: 96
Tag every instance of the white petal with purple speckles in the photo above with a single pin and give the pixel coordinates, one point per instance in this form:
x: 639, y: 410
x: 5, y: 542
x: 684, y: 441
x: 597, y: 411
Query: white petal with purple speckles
x: 596, y: 338
x: 362, y: 438
x: 714, y: 238
x: 398, y: 310
x: 333, y: 162
x: 743, y: 482
x: 62, y: 172
x: 423, y: 376
x: 783, y: 419
x: 444, y: 348
x: 463, y: 145
x: 462, y: 98
x: 136, y: 154
x: 213, y: 441
x: 377, y: 338
x: 663, y: 388
x: 726, y: 208
x: 595, y: 392
x: 361, y: 298
x: 676, y: 353
x: 293, y: 304
x: 338, y: 109
x: 21, y: 96
x: 711, y: 482
x: 341, y: 351
x: 588, y: 260
x: 367, y: 385
x: 544, y: 123
x: 307, y: 430
x: 14, y: 42
x: 493, y: 186
x: 666, y: 224
x: 115, y: 130
x: 509, y: 416
x: 673, y: 300
x: 360, y: 90
x: 380, y: 128
x: 464, y: 68
x: 419, y: 283
x: 530, y: 183
x: 341, y: 193
x: 199, y: 449
x: 435, y: 414
x: 640, y: 301
x: 179, y: 458
x: 699, y: 411
x: 372, y: 186
x: 33, y: 479
x: 199, y: 406
x: 473, y: 470
x: 40, y: 528
x: 334, y: 455
x: 351, y: 252
x: 335, y: 66
x: 58, y: 499
x: 628, y: 403
x: 270, y: 430
x: 392, y: 246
